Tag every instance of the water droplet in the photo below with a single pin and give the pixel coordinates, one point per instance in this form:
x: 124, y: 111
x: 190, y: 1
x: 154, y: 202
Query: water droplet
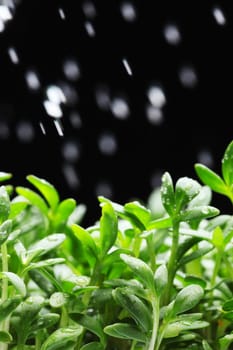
x: 89, y: 9
x: 172, y: 34
x: 13, y: 55
x: 52, y: 109
x: 188, y: 76
x: 42, y: 128
x: 71, y: 176
x: 75, y: 120
x: 127, y: 66
x: 102, y: 96
x: 71, y: 69
x: 59, y: 127
x: 71, y: 151
x: 89, y: 28
x: 25, y: 131
x: 120, y: 108
x: 5, y: 13
x: 62, y: 13
x: 104, y: 188
x: 219, y: 16
x: 32, y: 80
x: 128, y: 11
x: 70, y: 93
x: 154, y: 115
x: 156, y: 96
x: 205, y: 157
x: 55, y: 94
x: 107, y: 143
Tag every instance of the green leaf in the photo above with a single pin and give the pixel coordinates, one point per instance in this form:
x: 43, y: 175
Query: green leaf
x: 141, y: 270
x: 92, y: 323
x: 141, y: 212
x: 228, y: 305
x: 136, y: 308
x: 199, y: 213
x: 203, y: 250
x: 165, y: 222
x: 18, y: 204
x: 175, y: 328
x: 202, y: 198
x: 33, y: 197
x: 17, y: 282
x: 58, y: 299
x: 167, y: 194
x: 187, y: 298
x: 5, y: 337
x: 88, y: 243
x: 211, y: 179
x: 190, y: 279
x: 227, y: 165
x: 4, y: 204
x: 206, y: 346
x: 218, y: 238
x: 43, y: 263
x: 186, y: 189
x: 125, y: 331
x: 45, y: 321
x: 5, y: 230
x: 8, y: 306
x: 161, y: 279
x: 92, y: 346
x: 108, y: 228
x: 64, y: 210
x: 5, y: 176
x: 48, y: 190
x: 226, y: 341
x: 48, y: 243
x: 62, y: 338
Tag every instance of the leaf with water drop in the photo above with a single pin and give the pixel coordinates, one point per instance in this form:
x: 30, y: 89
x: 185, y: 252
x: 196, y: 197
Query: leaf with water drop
x: 108, y: 228
x: 211, y: 179
x: 167, y: 194
x: 227, y: 165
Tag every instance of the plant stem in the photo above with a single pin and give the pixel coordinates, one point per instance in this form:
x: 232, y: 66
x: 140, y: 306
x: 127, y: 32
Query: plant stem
x: 172, y: 263
x: 5, y: 324
x: 155, y: 314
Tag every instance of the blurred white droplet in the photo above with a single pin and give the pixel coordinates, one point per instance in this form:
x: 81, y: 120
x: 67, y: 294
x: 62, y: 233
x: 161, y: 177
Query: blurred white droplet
x: 32, y: 80
x: 55, y: 94
x: 154, y: 115
x: 75, y: 120
x: 219, y: 16
x: 4, y: 130
x: 89, y: 28
x: 172, y: 34
x: 71, y: 176
x: 5, y: 14
x: 205, y: 157
x: 89, y: 9
x: 71, y: 70
x: 59, y: 127
x: 62, y: 13
x: 103, y: 188
x: 156, y: 96
x: 120, y: 108
x: 13, y: 55
x: 2, y: 25
x: 127, y: 66
x: 70, y: 151
x: 128, y: 11
x: 188, y: 76
x: 25, y: 131
x: 102, y: 96
x: 42, y: 128
x: 52, y: 109
x: 70, y: 93
x: 107, y: 143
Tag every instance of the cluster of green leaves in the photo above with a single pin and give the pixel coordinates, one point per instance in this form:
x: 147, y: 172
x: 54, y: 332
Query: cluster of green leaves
x: 152, y: 276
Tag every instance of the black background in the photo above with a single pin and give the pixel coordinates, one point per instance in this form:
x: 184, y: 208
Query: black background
x: 196, y: 118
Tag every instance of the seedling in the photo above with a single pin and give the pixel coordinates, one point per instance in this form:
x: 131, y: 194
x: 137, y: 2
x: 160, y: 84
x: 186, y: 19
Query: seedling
x: 145, y: 276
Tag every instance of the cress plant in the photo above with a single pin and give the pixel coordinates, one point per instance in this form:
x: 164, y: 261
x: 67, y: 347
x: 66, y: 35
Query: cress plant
x: 145, y: 276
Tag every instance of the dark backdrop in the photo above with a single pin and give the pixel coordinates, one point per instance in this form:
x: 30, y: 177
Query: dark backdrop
x: 102, y: 97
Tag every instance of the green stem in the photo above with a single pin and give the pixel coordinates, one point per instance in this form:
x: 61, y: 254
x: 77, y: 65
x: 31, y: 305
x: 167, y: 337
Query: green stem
x: 5, y: 324
x: 137, y: 244
x: 172, y: 263
x: 64, y: 318
x: 155, y: 314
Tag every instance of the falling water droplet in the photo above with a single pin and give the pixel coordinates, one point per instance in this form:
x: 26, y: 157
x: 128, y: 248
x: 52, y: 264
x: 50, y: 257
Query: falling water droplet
x: 128, y: 11
x: 107, y: 143
x: 120, y: 108
x: 172, y: 34
x: 219, y: 16
x: 13, y: 55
